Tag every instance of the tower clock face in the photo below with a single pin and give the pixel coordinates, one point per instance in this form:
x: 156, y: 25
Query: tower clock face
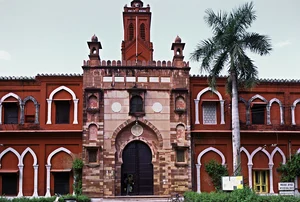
x: 137, y: 5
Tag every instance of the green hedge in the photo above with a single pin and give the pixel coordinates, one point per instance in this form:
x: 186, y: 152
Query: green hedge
x: 80, y: 198
x: 244, y: 195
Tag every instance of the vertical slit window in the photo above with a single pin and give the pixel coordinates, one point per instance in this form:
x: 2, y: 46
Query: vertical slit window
x: 131, y: 32
x: 142, y: 30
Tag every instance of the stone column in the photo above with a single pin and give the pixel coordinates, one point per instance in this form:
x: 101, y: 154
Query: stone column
x: 271, y: 178
x: 222, y: 111
x: 293, y: 115
x: 198, y: 166
x: 49, y: 101
x: 197, y: 111
x: 35, y: 191
x: 37, y: 109
x: 281, y: 115
x: 20, y: 194
x: 22, y: 113
x: 75, y: 111
x: 250, y: 175
x: 268, y: 115
x: 48, y: 194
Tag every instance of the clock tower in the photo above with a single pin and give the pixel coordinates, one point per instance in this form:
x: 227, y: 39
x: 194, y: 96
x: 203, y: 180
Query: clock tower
x: 136, y: 45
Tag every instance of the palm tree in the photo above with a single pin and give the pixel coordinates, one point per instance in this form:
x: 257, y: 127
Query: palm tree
x: 226, y: 49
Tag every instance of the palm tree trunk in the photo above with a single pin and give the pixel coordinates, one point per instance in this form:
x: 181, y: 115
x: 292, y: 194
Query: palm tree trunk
x: 236, y: 139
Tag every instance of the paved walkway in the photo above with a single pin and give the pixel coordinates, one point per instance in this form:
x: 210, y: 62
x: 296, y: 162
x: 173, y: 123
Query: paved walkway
x: 131, y: 199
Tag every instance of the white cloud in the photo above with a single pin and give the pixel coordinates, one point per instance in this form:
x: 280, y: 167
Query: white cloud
x: 4, y: 55
x: 283, y: 43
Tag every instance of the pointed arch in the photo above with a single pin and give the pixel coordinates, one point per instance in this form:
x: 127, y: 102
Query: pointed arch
x: 293, y: 107
x: 144, y: 121
x: 14, y: 96
x: 48, y: 166
x: 35, y: 168
x: 257, y: 96
x: 277, y: 149
x: 62, y: 88
x: 247, y: 154
x: 198, y: 99
x: 10, y: 149
x: 28, y: 149
x: 55, y: 152
x: 198, y: 165
x: 264, y: 151
x: 36, y: 105
x: 208, y: 150
x: 75, y: 100
x: 280, y: 108
x: 209, y: 89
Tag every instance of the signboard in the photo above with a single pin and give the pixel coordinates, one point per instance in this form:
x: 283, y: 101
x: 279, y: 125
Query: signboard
x: 286, y: 188
x: 230, y: 183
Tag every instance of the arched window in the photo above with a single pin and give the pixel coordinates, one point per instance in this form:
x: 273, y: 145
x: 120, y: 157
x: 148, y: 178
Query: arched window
x: 131, y: 31
x: 142, y: 30
x: 136, y: 104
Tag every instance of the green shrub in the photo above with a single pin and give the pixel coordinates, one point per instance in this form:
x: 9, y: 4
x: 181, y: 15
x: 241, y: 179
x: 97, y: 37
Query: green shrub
x: 291, y: 169
x: 215, y: 171
x: 240, y: 195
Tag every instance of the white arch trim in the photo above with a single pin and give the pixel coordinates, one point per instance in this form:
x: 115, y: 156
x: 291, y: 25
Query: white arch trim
x: 208, y: 150
x: 197, y: 103
x: 55, y: 152
x: 32, y: 153
x: 35, y: 167
x: 4, y: 98
x: 209, y: 89
x: 75, y: 100
x: 258, y: 150
x: 48, y: 167
x: 280, y: 108
x: 62, y: 88
x: 10, y: 150
x: 10, y: 95
x: 277, y: 149
x: 20, y: 193
x: 198, y: 165
x: 259, y: 97
x: 296, y: 102
x: 247, y: 154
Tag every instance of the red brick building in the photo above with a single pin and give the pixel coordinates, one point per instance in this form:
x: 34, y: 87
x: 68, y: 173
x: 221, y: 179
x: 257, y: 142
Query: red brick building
x: 40, y: 133
x: 269, y: 130
x: 136, y: 115
x: 140, y: 117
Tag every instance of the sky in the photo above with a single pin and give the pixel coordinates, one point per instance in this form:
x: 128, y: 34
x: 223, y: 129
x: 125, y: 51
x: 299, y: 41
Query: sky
x: 50, y: 36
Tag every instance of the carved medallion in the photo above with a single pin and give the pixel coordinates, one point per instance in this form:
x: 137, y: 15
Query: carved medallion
x: 137, y: 130
x: 116, y: 107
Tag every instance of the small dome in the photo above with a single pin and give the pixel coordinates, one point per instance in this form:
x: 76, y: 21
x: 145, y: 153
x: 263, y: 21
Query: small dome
x: 94, y: 38
x: 178, y: 39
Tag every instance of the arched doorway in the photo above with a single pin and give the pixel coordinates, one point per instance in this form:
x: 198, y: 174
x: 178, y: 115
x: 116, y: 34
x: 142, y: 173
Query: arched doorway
x: 137, y: 161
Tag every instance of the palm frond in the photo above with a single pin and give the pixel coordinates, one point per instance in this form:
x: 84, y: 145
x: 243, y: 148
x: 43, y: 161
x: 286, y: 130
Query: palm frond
x: 216, y: 21
x: 205, y: 50
x: 243, y: 17
x: 257, y: 43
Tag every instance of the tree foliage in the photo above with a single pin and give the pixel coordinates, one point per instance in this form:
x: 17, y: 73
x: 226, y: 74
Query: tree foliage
x: 291, y: 169
x: 215, y: 171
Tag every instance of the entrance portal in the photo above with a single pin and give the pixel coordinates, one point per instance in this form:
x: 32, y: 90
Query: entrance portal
x: 137, y: 162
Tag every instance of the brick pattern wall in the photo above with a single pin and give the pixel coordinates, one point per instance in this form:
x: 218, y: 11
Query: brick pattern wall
x: 114, y: 126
